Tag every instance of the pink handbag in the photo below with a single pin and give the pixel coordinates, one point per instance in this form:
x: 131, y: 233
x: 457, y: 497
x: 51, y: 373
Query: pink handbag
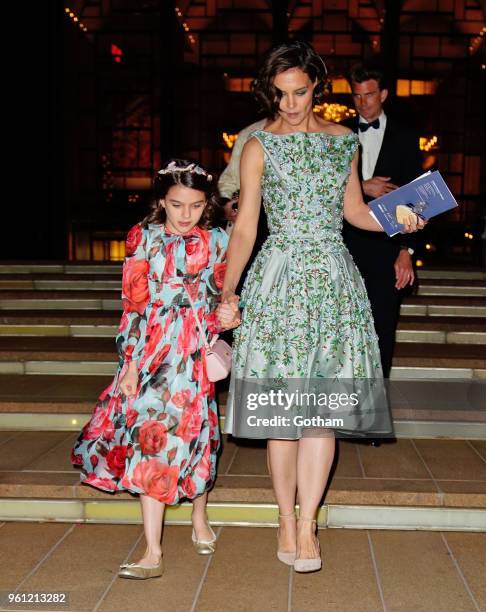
x: 218, y: 352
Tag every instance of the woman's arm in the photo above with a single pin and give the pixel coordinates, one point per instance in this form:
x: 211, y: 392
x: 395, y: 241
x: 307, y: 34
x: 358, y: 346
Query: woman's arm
x: 357, y: 212
x: 244, y: 232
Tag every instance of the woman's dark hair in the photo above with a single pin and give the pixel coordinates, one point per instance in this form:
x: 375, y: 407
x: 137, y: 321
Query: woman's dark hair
x: 188, y: 173
x: 295, y: 54
x: 362, y: 72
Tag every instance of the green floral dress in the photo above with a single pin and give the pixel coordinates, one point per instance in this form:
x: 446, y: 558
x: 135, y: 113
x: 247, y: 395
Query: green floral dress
x: 306, y: 312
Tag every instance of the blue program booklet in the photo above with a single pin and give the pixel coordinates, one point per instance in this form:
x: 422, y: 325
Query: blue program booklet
x: 426, y: 196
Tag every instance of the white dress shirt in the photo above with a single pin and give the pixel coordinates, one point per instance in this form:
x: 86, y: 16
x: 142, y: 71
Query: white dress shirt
x: 371, y: 142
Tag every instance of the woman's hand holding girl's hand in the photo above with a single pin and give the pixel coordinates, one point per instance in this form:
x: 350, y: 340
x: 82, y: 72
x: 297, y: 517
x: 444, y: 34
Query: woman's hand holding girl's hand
x: 228, y: 312
x: 129, y: 381
x: 413, y: 224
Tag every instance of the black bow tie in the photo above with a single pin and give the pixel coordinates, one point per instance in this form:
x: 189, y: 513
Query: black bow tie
x: 364, y: 126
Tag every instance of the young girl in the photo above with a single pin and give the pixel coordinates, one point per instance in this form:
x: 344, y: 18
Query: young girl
x: 154, y: 430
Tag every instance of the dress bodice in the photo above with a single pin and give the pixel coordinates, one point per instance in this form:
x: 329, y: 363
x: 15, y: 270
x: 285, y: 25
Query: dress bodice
x: 192, y: 259
x: 304, y: 181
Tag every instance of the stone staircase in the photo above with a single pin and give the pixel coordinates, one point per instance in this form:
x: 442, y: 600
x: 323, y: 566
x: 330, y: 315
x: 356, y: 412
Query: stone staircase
x: 57, y: 352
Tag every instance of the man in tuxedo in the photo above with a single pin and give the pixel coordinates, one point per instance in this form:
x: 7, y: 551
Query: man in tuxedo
x: 389, y: 157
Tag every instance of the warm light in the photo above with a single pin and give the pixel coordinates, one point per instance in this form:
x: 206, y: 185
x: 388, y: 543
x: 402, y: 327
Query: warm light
x: 340, y: 85
x: 406, y: 88
x: 117, y: 250
x: 75, y: 19
x: 67, y: 10
x: 419, y: 263
x: 334, y: 112
x: 74, y: 421
x: 426, y: 143
x: 71, y: 14
x: 235, y: 84
x: 428, y: 246
x: 229, y: 139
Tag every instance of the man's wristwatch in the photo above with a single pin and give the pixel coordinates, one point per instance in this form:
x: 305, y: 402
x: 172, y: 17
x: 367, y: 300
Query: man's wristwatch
x: 405, y: 248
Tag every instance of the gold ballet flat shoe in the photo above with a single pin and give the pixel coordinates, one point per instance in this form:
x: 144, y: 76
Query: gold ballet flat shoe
x: 140, y: 572
x: 313, y: 564
x: 286, y: 557
x: 204, y: 547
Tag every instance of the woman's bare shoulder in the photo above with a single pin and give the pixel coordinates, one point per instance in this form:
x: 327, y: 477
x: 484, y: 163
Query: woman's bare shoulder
x: 336, y: 129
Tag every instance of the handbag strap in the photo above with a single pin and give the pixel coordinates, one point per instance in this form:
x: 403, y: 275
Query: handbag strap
x: 198, y: 322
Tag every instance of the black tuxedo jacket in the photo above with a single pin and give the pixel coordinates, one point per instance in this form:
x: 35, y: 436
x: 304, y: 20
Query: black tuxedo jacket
x: 399, y: 158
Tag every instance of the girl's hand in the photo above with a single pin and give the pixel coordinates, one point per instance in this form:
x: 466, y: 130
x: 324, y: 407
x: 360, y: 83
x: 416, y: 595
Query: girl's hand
x: 413, y: 224
x: 129, y: 381
x: 228, y: 297
x: 228, y: 315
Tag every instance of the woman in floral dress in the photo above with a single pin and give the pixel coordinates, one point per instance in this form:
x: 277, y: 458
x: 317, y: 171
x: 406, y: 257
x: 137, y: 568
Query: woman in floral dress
x: 154, y: 431
x: 306, y: 313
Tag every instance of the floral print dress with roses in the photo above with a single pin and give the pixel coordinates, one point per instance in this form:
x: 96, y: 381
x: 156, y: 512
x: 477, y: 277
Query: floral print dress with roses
x: 163, y: 441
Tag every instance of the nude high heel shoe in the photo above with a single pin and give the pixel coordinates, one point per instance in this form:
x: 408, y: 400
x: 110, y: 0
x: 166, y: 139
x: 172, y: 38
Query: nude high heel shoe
x: 313, y: 564
x: 285, y: 557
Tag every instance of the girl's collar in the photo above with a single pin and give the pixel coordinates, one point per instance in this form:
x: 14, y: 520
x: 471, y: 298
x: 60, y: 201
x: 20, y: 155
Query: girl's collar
x: 195, y: 231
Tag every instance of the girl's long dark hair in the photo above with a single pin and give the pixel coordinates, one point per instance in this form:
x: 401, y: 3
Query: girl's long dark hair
x: 295, y: 54
x: 188, y: 173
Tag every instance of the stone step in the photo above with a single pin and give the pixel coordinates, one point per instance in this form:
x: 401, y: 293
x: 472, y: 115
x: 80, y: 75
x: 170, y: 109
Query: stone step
x: 464, y: 290
x: 408, y: 480
x: 109, y: 331
x: 462, y: 274
x: 108, y: 368
x: 461, y: 290
x: 421, y: 408
x: 47, y: 285
x: 25, y: 348
x: 104, y: 331
x: 61, y: 304
x: 63, y: 268
x: 432, y: 307
x: 466, y: 273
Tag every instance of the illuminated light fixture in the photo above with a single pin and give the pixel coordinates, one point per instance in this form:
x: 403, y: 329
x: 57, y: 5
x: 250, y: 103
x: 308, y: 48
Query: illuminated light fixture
x: 426, y: 144
x: 419, y: 263
x: 340, y: 85
x: 334, y: 112
x: 229, y: 139
x: 476, y: 42
x: 74, y: 421
x: 406, y: 87
x: 238, y: 84
x: 75, y: 19
x: 428, y: 246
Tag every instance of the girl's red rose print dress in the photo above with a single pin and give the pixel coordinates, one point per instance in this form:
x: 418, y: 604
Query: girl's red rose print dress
x: 163, y: 441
